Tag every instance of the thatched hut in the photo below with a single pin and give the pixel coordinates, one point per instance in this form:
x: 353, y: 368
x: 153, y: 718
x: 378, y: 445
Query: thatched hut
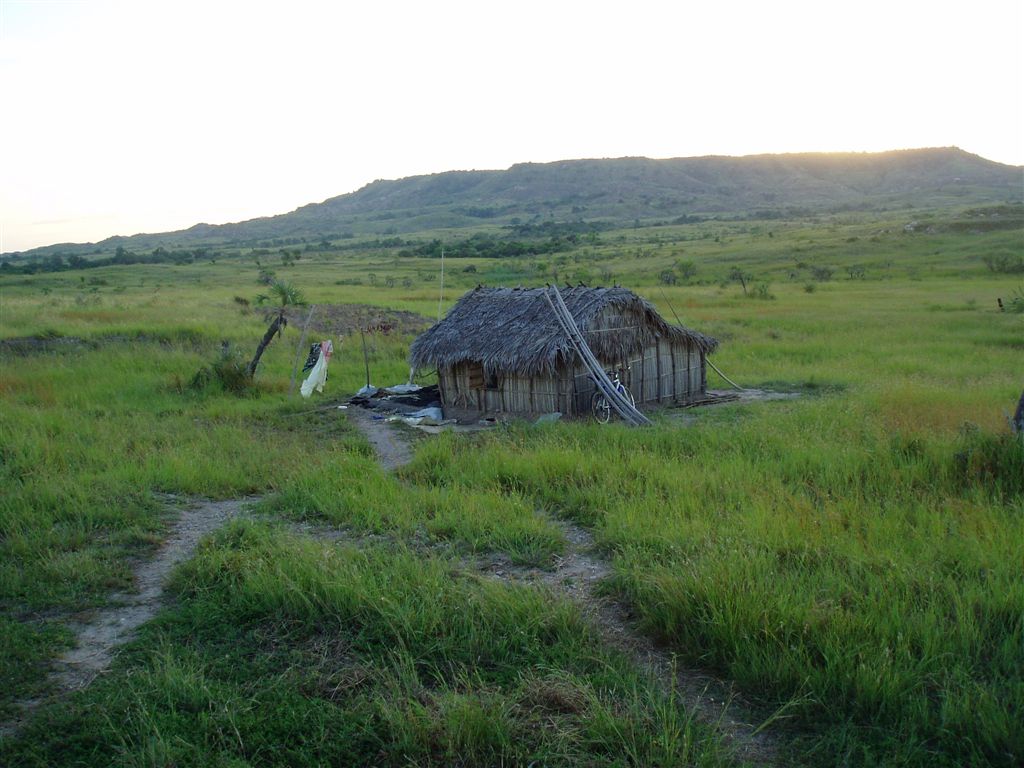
x: 501, y: 350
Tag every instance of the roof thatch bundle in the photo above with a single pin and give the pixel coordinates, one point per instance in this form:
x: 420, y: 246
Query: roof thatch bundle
x: 514, y: 329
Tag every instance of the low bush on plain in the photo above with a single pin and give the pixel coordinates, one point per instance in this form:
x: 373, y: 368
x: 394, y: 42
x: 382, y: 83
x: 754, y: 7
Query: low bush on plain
x: 228, y: 371
x: 990, y: 461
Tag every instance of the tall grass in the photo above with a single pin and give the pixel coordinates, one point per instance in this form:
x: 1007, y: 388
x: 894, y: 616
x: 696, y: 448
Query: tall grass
x: 854, y: 554
x: 872, y: 581
x: 283, y: 650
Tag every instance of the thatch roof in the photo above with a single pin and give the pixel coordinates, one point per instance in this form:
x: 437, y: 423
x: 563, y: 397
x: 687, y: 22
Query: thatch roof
x: 514, y: 329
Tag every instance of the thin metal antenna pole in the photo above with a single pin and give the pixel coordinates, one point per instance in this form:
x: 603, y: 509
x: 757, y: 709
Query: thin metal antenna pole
x: 300, y: 350
x: 440, y: 298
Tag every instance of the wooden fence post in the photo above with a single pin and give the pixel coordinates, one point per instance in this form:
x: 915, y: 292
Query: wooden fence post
x: 302, y: 347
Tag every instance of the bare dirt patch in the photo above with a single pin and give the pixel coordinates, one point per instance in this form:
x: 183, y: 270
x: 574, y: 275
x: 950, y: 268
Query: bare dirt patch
x: 758, y: 395
x: 393, y: 450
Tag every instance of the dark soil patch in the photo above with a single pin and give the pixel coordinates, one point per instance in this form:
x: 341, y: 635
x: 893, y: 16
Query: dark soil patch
x: 41, y: 344
x: 338, y: 320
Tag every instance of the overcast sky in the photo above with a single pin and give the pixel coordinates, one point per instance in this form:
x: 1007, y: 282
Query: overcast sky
x: 120, y: 118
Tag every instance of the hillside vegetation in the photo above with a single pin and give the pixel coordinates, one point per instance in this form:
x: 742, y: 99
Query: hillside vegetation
x: 623, y: 191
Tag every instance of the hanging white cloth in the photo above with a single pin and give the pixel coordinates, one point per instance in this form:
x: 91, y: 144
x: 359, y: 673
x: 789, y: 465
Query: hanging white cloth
x: 318, y: 376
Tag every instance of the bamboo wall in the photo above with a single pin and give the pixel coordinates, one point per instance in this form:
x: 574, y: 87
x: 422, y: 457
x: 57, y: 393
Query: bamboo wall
x: 461, y: 391
x: 665, y: 373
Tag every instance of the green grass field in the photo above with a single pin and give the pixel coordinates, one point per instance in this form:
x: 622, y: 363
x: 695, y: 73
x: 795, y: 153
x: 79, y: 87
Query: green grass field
x: 851, y: 558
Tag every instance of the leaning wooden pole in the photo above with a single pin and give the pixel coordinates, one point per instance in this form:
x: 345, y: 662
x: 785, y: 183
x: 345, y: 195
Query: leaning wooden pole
x: 366, y: 357
x: 716, y: 370
x: 706, y: 358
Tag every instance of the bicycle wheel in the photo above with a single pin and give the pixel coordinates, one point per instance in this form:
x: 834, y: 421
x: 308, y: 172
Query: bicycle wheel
x: 601, y: 408
x: 628, y: 395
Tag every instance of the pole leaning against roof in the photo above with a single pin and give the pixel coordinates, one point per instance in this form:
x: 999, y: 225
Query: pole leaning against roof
x: 616, y: 399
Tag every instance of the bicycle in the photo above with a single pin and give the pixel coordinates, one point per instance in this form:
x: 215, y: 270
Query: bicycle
x: 599, y: 404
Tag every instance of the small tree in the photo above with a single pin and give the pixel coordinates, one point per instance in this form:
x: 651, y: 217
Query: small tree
x: 687, y: 270
x: 821, y: 274
x: 282, y: 295
x: 737, y: 275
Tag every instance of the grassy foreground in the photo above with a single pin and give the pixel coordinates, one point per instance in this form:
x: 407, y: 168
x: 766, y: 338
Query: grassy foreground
x: 287, y: 651
x: 853, y: 555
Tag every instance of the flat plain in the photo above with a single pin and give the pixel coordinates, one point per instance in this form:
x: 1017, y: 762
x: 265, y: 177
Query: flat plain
x: 849, y: 561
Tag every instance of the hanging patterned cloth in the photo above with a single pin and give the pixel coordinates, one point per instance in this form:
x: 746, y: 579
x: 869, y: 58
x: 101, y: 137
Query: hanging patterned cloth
x: 314, y: 355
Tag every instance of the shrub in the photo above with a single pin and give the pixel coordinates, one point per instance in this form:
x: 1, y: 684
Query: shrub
x: 993, y: 461
x: 1016, y: 302
x: 228, y: 371
x: 821, y: 274
x: 687, y: 270
x: 1004, y: 264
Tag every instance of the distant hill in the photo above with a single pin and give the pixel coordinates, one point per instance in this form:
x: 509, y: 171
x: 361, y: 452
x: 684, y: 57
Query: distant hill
x: 623, y: 190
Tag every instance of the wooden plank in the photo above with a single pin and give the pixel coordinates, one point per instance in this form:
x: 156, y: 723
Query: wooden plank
x: 675, y: 378
x: 689, y: 364
x: 657, y: 353
x: 640, y: 396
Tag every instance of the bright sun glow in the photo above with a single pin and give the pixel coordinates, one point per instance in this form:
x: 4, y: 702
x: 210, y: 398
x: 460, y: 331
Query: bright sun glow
x: 149, y: 116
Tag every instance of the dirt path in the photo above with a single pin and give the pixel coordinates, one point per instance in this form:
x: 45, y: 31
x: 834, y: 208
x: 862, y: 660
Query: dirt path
x: 393, y: 451
x: 98, y: 636
x: 577, y: 575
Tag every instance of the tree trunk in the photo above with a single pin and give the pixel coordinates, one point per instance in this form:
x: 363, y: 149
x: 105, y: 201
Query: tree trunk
x: 275, y: 327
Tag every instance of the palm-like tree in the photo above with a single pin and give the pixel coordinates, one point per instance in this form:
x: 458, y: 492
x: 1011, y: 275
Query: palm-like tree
x: 282, y: 295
